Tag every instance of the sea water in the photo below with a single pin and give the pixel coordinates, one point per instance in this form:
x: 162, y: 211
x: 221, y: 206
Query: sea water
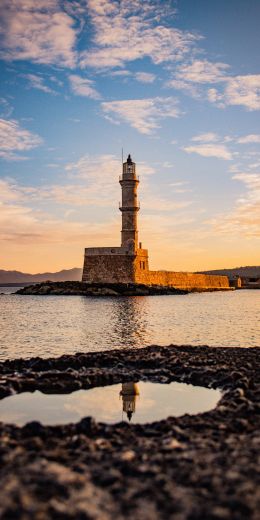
x: 54, y: 325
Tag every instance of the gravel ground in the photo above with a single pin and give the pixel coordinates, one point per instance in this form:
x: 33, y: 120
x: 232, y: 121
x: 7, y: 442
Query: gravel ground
x: 193, y: 467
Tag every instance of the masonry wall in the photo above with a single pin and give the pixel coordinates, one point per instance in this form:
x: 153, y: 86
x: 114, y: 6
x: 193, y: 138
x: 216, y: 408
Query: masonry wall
x: 141, y: 267
x: 188, y: 280
x: 119, y: 265
x: 108, y: 269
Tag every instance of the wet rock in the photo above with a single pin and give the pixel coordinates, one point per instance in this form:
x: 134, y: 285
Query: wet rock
x: 185, y: 468
x: 97, y: 289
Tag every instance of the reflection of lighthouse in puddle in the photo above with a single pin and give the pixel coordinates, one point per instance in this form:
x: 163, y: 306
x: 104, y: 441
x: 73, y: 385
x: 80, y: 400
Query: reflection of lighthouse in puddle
x: 129, y: 393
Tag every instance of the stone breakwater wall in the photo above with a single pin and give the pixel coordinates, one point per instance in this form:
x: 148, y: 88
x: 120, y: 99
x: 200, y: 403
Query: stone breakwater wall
x: 188, y: 280
x: 120, y: 265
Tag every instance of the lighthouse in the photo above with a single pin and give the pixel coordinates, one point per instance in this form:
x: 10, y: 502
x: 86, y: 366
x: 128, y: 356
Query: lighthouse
x: 127, y: 263
x: 130, y: 206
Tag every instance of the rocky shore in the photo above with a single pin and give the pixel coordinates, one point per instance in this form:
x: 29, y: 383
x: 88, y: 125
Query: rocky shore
x: 97, y: 289
x: 108, y: 289
x: 197, y: 467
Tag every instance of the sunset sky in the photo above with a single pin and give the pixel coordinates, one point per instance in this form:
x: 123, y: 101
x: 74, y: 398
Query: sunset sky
x: 176, y: 84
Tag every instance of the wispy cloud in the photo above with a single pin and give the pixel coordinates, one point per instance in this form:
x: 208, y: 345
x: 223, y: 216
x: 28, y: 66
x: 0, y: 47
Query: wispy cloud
x: 192, y: 77
x: 243, y: 91
x: 92, y: 180
x: 38, y: 31
x: 143, y: 114
x: 11, y: 192
x: 38, y: 83
x: 22, y: 223
x: 145, y: 77
x: 220, y: 151
x: 206, y: 138
x: 131, y: 30
x: 244, y: 219
x: 83, y: 87
x: 238, y: 90
x: 225, y: 90
x: 120, y: 72
x: 13, y: 138
x: 248, y: 139
x: 5, y: 108
x: 202, y: 71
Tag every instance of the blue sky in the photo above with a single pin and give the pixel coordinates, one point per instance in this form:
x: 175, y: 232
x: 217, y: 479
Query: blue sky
x: 177, y: 84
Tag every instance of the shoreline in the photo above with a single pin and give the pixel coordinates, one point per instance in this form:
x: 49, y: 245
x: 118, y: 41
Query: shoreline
x: 200, y: 466
x: 112, y: 289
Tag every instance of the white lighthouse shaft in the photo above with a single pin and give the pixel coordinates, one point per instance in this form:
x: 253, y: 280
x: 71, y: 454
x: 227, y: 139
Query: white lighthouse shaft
x: 130, y: 206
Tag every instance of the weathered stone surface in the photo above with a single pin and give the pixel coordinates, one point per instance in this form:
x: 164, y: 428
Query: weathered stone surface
x: 193, y: 467
x: 109, y: 265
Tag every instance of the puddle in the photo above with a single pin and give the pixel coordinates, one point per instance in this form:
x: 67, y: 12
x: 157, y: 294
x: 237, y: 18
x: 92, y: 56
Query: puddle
x: 135, y: 402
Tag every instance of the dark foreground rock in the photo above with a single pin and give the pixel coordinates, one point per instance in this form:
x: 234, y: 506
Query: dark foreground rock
x: 202, y: 467
x: 100, y: 289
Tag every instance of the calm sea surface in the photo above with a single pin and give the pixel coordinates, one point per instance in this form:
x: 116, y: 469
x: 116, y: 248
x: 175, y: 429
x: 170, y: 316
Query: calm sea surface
x: 55, y: 325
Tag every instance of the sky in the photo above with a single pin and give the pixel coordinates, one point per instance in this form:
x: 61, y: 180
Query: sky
x: 174, y: 83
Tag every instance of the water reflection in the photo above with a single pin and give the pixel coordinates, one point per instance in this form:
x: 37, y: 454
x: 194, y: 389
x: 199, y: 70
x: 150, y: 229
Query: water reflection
x: 130, y: 321
x: 54, y: 325
x: 129, y: 393
x: 157, y: 401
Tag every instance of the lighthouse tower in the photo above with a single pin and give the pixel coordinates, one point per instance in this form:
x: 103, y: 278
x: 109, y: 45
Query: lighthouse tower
x: 130, y: 206
x: 127, y: 263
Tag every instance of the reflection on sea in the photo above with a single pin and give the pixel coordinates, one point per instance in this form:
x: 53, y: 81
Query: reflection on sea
x: 55, y: 325
x: 140, y: 402
x: 129, y: 321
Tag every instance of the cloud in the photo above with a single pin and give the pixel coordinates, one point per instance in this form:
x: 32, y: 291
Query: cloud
x: 91, y: 181
x: 22, y: 223
x: 243, y: 90
x: 5, y: 108
x: 211, y: 144
x: 190, y: 77
x: 238, y: 90
x: 179, y: 84
x: 143, y: 114
x: 38, y: 83
x: 244, y: 219
x: 10, y: 192
x: 14, y: 138
x: 129, y: 30
x: 206, y: 138
x: 83, y: 87
x: 122, y: 72
x: 38, y: 31
x: 247, y: 139
x: 145, y: 77
x: 202, y: 71
x: 220, y: 151
x: 207, y: 150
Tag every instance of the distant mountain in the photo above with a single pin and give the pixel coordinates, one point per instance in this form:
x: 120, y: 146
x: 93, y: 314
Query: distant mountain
x: 61, y: 276
x: 246, y: 272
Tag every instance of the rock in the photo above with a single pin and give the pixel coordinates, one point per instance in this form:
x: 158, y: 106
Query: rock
x: 189, y: 467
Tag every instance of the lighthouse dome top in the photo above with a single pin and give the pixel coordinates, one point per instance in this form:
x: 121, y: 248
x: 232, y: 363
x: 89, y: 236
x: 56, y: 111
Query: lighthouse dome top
x: 129, y: 159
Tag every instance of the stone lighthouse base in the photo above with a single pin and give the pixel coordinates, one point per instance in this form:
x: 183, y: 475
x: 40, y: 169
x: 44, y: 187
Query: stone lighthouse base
x: 121, y: 265
x: 115, y: 265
